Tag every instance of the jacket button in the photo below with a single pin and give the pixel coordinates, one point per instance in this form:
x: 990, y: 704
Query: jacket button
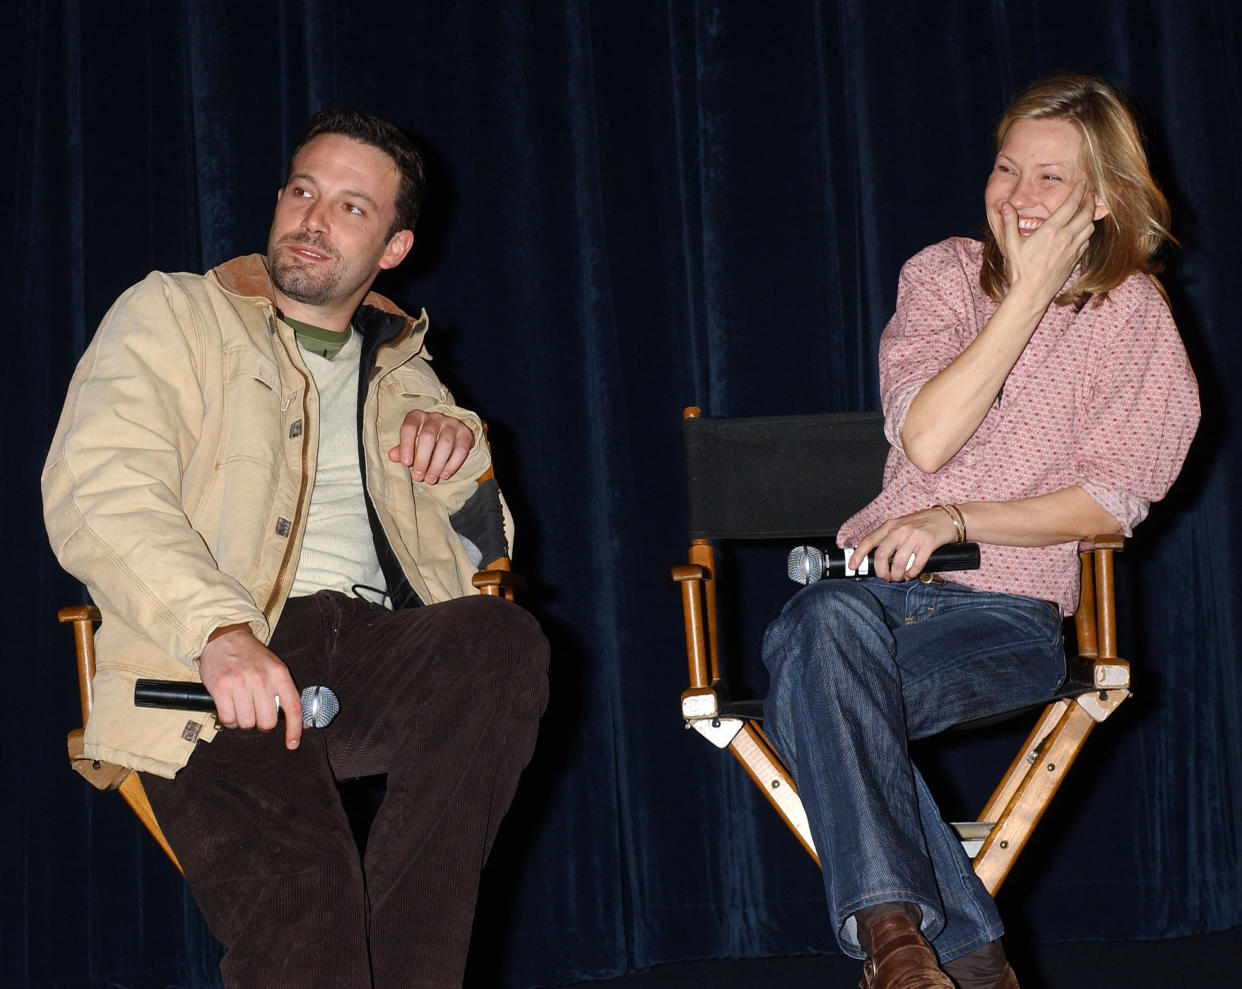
x: 282, y: 527
x: 295, y: 430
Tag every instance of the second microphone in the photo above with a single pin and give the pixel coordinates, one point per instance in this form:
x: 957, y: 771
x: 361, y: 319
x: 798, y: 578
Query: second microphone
x: 807, y: 564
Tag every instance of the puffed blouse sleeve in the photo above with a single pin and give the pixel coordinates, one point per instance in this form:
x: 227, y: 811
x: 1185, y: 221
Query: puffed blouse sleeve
x: 934, y: 321
x: 1141, y: 402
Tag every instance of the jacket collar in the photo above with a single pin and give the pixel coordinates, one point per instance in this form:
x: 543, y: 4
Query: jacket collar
x: 248, y: 277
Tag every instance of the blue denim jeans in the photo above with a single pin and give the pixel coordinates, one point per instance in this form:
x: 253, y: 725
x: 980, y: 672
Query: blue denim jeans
x: 858, y: 668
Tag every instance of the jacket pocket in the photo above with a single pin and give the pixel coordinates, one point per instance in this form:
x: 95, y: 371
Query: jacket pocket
x: 253, y: 410
x: 255, y: 449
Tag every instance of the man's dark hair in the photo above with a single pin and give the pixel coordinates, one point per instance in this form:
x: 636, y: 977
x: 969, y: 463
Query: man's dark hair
x: 366, y: 129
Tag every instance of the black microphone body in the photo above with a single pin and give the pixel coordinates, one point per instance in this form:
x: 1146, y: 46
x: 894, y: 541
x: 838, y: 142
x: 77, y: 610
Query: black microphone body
x: 176, y: 694
x: 319, y: 704
x: 807, y: 564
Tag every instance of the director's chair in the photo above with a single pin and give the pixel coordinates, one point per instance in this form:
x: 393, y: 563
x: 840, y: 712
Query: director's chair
x: 795, y: 479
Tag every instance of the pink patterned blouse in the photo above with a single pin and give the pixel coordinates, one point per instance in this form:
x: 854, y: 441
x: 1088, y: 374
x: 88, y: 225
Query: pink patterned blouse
x: 1103, y: 398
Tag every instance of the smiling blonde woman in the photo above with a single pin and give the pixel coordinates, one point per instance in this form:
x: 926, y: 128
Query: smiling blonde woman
x: 1035, y: 392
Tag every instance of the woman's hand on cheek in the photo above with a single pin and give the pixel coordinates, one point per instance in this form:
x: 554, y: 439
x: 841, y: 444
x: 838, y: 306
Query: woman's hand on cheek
x: 1041, y: 262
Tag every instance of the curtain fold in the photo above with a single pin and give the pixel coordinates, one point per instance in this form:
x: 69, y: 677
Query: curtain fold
x: 634, y: 207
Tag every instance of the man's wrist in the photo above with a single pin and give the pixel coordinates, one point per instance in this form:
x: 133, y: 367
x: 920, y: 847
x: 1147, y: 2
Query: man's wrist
x: 226, y: 629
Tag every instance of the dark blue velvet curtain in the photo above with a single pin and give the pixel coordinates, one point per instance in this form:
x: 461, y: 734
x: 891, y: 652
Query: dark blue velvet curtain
x: 637, y: 206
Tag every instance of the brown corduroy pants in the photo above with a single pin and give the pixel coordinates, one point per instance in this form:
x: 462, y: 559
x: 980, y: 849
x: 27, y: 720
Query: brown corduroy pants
x: 446, y: 701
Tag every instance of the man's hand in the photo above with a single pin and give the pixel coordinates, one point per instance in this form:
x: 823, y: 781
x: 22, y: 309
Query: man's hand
x: 432, y: 445
x: 244, y: 678
x: 907, y: 542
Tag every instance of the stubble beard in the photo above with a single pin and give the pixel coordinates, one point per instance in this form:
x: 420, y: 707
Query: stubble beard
x: 298, y: 281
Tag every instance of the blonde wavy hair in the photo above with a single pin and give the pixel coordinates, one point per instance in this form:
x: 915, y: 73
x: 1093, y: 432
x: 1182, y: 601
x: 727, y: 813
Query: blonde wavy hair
x: 1129, y: 238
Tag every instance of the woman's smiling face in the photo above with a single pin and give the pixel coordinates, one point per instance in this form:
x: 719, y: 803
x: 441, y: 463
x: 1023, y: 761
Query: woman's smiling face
x: 1037, y: 167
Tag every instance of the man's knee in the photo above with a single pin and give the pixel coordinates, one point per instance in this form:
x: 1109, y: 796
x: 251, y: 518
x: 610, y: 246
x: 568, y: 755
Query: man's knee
x: 505, y: 632
x: 520, y: 650
x: 504, y: 651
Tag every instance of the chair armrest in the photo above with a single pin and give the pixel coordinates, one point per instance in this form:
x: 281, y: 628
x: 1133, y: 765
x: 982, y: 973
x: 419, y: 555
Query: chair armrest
x: 1112, y: 540
x: 699, y: 620
x: 497, y: 579
x: 83, y: 618
x: 1096, y: 619
x: 78, y: 613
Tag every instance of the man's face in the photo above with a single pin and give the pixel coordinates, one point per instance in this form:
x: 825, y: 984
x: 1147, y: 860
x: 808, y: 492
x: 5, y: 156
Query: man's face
x: 329, y: 237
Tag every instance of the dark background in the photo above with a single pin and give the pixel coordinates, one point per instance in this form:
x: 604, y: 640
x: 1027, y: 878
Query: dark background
x: 636, y: 206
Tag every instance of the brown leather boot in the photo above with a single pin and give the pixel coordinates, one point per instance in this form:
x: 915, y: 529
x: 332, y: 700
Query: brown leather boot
x: 1008, y: 980
x: 983, y: 968
x: 900, y: 958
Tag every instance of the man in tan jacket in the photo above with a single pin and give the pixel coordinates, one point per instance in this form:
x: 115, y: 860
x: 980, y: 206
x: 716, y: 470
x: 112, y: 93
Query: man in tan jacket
x: 264, y: 486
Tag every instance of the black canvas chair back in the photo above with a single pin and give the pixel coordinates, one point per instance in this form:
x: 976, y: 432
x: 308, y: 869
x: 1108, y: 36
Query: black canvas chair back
x: 781, y: 477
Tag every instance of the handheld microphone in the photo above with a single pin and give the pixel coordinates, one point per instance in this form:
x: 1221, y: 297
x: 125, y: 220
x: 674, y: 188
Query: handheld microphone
x: 807, y: 564
x: 319, y: 704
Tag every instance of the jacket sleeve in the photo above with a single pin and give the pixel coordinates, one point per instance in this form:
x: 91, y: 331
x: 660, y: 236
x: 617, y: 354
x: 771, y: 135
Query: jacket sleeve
x: 416, y: 387
x: 112, y: 480
x: 477, y: 486
x: 479, y: 459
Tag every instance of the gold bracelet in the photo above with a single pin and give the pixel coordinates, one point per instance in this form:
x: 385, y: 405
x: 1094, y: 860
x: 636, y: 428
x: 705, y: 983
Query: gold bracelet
x: 956, y: 518
x: 962, y: 519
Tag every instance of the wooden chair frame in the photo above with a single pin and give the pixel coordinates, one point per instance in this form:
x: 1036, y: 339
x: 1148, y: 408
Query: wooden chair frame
x: 103, y: 775
x: 1006, y: 823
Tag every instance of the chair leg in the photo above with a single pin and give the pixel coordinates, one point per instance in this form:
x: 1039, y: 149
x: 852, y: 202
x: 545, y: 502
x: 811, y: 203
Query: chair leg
x: 131, y: 789
x: 753, y: 750
x: 1025, y: 792
x: 1011, y: 814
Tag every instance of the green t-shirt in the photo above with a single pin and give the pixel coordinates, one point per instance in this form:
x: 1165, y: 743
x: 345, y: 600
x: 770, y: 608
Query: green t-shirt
x: 317, y: 340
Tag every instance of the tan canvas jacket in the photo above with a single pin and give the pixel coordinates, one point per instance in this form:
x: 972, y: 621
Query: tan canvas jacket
x: 180, y: 473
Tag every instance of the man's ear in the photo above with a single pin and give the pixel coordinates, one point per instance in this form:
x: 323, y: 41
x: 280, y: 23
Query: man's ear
x: 280, y: 192
x: 399, y: 245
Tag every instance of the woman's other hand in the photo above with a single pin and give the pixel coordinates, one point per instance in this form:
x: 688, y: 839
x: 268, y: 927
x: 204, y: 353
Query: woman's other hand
x: 902, y: 545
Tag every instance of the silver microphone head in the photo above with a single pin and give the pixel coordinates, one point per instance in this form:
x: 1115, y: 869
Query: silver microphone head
x: 319, y: 707
x: 805, y: 564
